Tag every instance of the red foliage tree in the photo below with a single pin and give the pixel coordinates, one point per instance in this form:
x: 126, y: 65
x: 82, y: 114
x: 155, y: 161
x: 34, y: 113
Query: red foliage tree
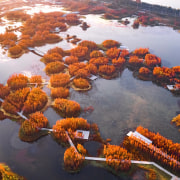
x: 4, y: 91
x: 71, y: 60
x: 59, y: 80
x: 113, y: 52
x: 17, y: 81
x: 67, y: 108
x: 54, y: 67
x: 60, y: 92
x: 110, y: 43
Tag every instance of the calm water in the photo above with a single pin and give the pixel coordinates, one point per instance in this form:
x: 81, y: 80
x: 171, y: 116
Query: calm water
x: 120, y: 104
x: 168, y: 3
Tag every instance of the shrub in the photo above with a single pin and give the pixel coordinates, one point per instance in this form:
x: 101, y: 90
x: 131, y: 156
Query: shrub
x: 60, y: 92
x: 67, y: 108
x: 59, y: 80
x: 81, y: 83
x: 54, y: 67
x: 17, y: 81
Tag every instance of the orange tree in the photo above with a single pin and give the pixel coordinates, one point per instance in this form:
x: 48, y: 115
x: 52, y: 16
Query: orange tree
x: 176, y: 69
x: 81, y: 149
x: 119, y: 62
x: 72, y: 159
x: 80, y: 52
x: 73, y: 68
x: 72, y: 19
x: 15, y: 50
x: 176, y: 120
x: 96, y: 53
x: 17, y: 81
x: 36, y: 100
x: 107, y: 70
x: 4, y: 91
x: 71, y: 60
x: 144, y: 71
x: 58, y: 50
x: 36, y: 79
x: 134, y: 61
x: 67, y: 108
x: 141, y: 52
x: 70, y: 125
x: 99, y: 61
x: 59, y: 80
x: 110, y: 43
x: 81, y: 83
x: 166, y: 145
x: 151, y: 60
x: 124, y: 53
x: 60, y: 92
x: 113, y: 52
x: 92, y: 69
x: 54, y: 67
x: 17, y: 99
x: 30, y: 129
x: 163, y: 74
x: 47, y: 58
x: 117, y: 157
x: 89, y: 44
x: 82, y: 73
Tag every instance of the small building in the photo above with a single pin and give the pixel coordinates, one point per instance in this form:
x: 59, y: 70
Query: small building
x: 81, y: 134
x: 139, y: 136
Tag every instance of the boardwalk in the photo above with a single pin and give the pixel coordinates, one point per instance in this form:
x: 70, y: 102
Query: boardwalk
x: 21, y: 115
x: 36, y: 51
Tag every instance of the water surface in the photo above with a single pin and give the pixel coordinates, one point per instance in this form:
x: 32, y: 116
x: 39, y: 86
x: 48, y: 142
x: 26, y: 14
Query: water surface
x: 119, y: 105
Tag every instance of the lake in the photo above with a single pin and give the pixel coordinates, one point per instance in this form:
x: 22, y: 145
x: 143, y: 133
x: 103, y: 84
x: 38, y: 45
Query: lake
x: 119, y: 105
x: 169, y: 3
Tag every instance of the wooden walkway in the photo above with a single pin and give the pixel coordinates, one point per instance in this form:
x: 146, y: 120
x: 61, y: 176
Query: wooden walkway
x: 36, y: 51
